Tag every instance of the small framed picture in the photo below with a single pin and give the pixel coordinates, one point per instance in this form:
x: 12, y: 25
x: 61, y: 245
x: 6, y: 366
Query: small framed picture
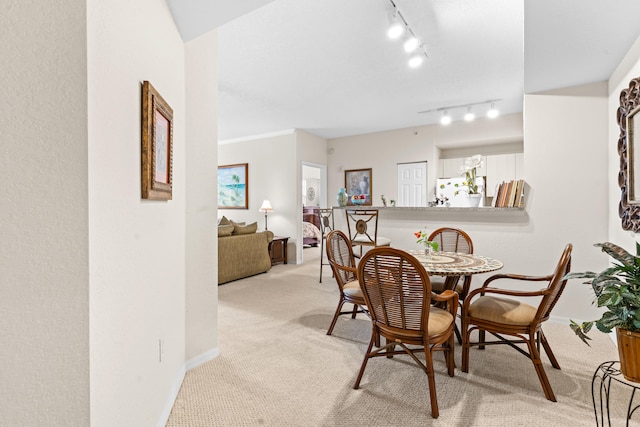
x: 358, y: 183
x: 157, y: 145
x: 233, y: 186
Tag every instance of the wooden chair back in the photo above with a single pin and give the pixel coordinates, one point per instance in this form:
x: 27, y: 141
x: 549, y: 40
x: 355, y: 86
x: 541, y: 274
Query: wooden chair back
x: 340, y: 256
x: 362, y: 226
x: 397, y: 291
x: 452, y: 240
x: 326, y: 226
x: 557, y: 284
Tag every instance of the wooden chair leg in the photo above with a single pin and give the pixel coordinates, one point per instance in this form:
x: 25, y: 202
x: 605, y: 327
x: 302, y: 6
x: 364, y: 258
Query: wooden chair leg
x: 451, y: 363
x: 364, y: 362
x: 481, y: 338
x: 432, y: 383
x: 355, y: 311
x: 335, y: 317
x: 466, y: 344
x: 542, y: 375
x: 547, y: 349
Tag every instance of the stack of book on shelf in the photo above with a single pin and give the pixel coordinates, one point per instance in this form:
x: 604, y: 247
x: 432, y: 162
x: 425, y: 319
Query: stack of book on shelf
x: 509, y: 194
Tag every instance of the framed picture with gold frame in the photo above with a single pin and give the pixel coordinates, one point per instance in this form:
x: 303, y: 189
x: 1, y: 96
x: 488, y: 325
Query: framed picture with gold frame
x: 358, y: 183
x: 157, y: 145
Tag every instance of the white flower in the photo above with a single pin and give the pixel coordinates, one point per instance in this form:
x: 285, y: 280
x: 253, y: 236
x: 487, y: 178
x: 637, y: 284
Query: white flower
x: 471, y: 163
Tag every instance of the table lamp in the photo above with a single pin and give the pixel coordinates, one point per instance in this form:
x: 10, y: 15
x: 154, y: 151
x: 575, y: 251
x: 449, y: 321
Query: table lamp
x: 266, y: 208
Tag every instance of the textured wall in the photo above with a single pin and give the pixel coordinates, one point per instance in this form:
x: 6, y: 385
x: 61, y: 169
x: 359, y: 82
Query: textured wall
x: 137, y: 247
x: 44, y: 266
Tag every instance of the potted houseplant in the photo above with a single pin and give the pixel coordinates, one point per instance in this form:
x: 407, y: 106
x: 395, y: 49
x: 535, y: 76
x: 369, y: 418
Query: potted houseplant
x: 618, y: 289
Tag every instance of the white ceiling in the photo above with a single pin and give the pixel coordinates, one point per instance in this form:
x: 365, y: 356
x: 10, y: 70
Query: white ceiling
x: 327, y: 66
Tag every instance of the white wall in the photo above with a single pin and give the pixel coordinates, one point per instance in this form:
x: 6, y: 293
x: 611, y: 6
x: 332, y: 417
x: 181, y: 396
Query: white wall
x: 382, y: 151
x: 201, y: 186
x: 136, y: 247
x: 273, y: 175
x: 564, y: 203
x: 44, y: 258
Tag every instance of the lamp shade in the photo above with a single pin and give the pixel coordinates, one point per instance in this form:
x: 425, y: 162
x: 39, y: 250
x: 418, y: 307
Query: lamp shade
x: 266, y: 207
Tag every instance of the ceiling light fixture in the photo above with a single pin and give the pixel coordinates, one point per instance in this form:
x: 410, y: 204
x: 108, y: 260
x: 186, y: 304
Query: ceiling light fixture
x: 493, y: 112
x: 416, y: 60
x: 396, y: 29
x: 469, y: 116
x: 445, y: 119
x: 411, y: 43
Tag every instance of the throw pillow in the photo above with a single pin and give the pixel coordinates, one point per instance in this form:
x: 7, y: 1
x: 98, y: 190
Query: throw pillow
x: 238, y: 223
x: 225, y: 230
x: 224, y: 221
x: 245, y: 229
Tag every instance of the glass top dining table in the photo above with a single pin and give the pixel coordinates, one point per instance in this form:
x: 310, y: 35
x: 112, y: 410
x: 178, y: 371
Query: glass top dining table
x: 453, y: 265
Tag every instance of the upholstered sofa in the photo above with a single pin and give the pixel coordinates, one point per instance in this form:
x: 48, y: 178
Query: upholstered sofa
x: 242, y: 251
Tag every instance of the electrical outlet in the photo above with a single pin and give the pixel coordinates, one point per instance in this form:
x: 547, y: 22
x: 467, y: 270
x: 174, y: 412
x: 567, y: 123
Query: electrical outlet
x: 160, y: 349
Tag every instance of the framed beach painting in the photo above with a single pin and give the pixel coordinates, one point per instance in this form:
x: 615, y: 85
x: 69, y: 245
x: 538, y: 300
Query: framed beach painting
x: 233, y: 186
x: 358, y: 182
x: 157, y: 145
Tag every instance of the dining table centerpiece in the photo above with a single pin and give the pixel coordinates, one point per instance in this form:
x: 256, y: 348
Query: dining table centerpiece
x: 429, y: 247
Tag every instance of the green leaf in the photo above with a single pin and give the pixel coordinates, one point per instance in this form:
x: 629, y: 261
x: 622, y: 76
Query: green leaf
x: 581, y: 330
x: 617, y: 253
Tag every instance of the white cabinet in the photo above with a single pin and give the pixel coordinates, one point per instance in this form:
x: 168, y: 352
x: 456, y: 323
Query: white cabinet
x: 450, y: 168
x: 500, y: 167
x: 497, y: 168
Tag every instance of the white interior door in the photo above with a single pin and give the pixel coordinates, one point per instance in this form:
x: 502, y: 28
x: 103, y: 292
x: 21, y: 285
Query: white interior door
x: 412, y: 184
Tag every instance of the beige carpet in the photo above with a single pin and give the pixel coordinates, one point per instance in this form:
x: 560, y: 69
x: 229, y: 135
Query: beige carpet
x: 277, y: 367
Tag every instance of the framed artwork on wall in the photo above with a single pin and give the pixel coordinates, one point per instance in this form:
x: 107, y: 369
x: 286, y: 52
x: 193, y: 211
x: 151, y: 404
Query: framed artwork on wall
x: 358, y: 183
x: 233, y: 186
x: 157, y: 145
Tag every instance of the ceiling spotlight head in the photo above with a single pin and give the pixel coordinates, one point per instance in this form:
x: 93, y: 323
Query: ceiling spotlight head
x: 469, y: 116
x: 416, y: 60
x: 445, y: 119
x: 410, y: 44
x: 493, y: 112
x: 396, y: 29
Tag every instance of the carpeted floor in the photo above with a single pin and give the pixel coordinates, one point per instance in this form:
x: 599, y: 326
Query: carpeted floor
x: 277, y: 367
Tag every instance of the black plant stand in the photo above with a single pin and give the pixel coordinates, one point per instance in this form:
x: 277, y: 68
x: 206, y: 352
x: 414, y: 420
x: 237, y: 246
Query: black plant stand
x: 606, y: 372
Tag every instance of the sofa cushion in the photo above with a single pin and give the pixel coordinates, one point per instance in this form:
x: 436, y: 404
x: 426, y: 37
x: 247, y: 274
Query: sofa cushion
x: 224, y: 221
x: 225, y: 230
x: 245, y: 229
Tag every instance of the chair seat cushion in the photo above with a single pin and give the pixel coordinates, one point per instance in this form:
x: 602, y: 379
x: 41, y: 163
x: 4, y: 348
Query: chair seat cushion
x: 353, y: 289
x: 364, y: 240
x: 502, y: 310
x: 439, y: 321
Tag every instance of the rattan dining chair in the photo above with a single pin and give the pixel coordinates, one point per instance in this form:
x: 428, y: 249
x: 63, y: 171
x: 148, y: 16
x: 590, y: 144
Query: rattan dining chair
x: 452, y: 240
x: 398, y: 294
x: 343, y: 265
x: 326, y: 226
x: 487, y: 309
x: 362, y: 226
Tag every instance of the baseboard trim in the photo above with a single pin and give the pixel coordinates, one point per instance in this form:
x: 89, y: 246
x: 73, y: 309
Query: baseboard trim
x: 173, y: 393
x: 203, y: 358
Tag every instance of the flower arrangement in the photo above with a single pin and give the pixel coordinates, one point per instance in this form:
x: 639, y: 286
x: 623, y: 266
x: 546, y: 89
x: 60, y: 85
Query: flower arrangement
x: 423, y: 237
x: 469, y: 170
